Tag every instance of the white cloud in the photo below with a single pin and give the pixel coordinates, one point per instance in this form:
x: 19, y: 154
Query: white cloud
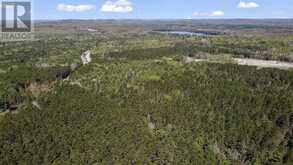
x: 196, y: 14
x: 119, y: 6
x: 247, y: 5
x: 75, y: 8
x: 217, y: 13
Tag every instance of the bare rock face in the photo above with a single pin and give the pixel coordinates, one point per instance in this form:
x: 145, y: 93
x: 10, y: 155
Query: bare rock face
x: 36, y: 104
x: 151, y: 125
x: 86, y: 57
x: 187, y: 60
x: 74, y: 66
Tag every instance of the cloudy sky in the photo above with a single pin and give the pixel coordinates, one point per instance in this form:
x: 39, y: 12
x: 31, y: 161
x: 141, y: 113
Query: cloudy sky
x: 165, y: 9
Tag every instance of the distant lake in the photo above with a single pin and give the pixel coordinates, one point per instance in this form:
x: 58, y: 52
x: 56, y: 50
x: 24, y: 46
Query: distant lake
x: 189, y: 33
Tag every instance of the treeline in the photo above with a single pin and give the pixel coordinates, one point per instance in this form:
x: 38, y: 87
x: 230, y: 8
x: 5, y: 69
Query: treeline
x: 33, y: 51
x: 241, y: 48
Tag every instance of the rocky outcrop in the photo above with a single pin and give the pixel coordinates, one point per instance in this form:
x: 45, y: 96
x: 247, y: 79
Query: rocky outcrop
x: 74, y: 66
x: 86, y: 57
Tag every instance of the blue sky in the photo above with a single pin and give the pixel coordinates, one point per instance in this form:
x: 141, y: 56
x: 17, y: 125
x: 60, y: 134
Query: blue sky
x: 165, y: 9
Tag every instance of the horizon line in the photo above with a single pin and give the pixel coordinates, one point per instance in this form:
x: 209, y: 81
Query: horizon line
x: 163, y: 19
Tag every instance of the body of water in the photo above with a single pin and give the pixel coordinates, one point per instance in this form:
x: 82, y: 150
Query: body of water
x: 188, y: 33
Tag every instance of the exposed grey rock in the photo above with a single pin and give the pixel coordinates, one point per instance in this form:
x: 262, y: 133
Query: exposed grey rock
x: 151, y: 125
x: 86, y: 57
x: 74, y: 66
x: 36, y: 104
x: 187, y: 60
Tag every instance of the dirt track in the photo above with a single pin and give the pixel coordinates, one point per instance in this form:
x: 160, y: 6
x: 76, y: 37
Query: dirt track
x: 251, y: 62
x: 263, y: 63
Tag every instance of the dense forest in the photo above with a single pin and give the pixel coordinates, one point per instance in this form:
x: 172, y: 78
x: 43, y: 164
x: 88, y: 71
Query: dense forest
x: 140, y: 102
x: 155, y: 112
